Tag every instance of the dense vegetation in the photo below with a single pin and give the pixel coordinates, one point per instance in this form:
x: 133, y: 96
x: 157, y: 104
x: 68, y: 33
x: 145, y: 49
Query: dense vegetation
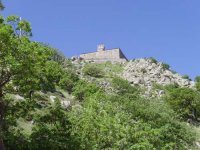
x: 31, y: 73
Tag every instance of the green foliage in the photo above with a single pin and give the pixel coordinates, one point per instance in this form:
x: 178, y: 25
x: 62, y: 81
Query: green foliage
x: 197, y: 83
x: 186, y: 77
x: 26, y: 64
x: 165, y: 66
x: 110, y: 68
x: 13, y: 135
x: 127, y: 122
x: 93, y: 71
x: 52, y: 129
x: 122, y: 86
x: 153, y: 60
x: 22, y: 60
x: 20, y: 27
x: 174, y: 72
x: 68, y: 81
x: 57, y: 55
x: 197, y: 79
x: 50, y: 76
x: 84, y: 89
x: 185, y: 101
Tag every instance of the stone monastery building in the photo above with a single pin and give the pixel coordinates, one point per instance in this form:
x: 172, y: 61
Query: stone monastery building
x: 103, y: 55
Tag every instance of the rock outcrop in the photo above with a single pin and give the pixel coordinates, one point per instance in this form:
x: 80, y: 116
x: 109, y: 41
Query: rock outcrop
x: 146, y: 72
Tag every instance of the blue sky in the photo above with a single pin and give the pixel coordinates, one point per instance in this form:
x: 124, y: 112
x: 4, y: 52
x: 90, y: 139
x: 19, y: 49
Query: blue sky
x: 168, y: 30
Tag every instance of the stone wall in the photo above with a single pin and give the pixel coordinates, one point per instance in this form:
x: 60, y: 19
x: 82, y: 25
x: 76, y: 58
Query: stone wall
x: 104, y: 55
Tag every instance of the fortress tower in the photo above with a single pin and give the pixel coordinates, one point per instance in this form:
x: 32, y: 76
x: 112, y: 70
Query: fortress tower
x: 101, y: 47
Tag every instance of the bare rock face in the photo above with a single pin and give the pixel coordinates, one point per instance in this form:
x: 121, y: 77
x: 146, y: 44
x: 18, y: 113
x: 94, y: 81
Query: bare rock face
x: 145, y: 72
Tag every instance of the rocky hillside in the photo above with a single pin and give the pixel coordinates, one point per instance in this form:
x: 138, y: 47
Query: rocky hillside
x: 146, y: 72
x: 50, y: 102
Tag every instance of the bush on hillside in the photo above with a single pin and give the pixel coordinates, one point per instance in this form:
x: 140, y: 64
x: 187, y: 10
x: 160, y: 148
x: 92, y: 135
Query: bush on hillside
x: 165, y: 66
x: 68, y: 81
x: 128, y: 122
x: 197, y: 83
x: 93, y: 71
x: 84, y: 89
x: 197, y: 79
x: 186, y: 77
x: 122, y: 86
x: 153, y: 60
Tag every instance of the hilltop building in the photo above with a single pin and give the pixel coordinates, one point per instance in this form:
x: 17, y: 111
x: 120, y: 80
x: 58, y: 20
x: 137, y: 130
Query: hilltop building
x: 103, y: 55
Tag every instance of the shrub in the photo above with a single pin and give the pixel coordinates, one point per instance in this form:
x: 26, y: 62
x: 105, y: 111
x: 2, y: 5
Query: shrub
x: 93, y: 71
x: 197, y: 79
x: 186, y: 77
x: 165, y: 66
x: 197, y: 83
x: 153, y: 60
x: 84, y: 89
x: 118, y: 122
x: 174, y: 72
x: 122, y: 86
x: 68, y: 81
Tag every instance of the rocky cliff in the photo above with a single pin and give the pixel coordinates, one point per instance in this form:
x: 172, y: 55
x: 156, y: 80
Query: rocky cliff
x: 146, y: 72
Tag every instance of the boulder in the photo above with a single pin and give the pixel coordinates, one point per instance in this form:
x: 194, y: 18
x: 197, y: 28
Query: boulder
x: 52, y: 98
x: 66, y: 104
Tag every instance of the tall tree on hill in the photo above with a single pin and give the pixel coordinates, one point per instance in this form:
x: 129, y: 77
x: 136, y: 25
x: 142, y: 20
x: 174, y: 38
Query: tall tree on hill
x: 22, y: 62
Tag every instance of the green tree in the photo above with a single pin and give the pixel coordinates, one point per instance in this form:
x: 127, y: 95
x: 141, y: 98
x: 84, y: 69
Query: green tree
x: 57, y: 55
x: 52, y: 130
x: 21, y: 61
x: 50, y: 75
x: 68, y: 80
x: 185, y: 101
